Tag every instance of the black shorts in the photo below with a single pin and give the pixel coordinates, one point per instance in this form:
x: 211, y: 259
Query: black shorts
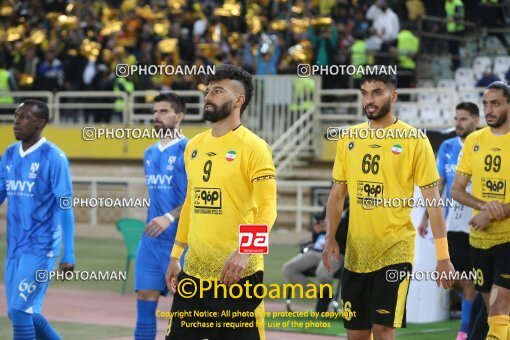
x: 375, y: 298
x: 460, y: 252
x: 194, y: 316
x: 492, y: 266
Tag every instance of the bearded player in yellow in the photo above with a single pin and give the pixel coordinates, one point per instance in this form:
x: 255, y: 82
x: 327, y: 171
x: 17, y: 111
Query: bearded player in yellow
x: 485, y: 160
x: 380, y: 241
x: 231, y: 181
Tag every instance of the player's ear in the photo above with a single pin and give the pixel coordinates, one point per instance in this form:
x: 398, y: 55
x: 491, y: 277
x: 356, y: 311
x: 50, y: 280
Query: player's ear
x: 394, y: 95
x: 240, y: 101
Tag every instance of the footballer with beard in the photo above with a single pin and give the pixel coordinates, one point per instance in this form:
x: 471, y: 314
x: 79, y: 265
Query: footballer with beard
x: 485, y: 161
x: 231, y: 181
x: 166, y: 181
x: 380, y: 242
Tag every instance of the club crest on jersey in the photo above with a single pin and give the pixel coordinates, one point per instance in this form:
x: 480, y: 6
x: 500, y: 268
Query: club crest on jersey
x: 8, y: 167
x: 33, y: 169
x: 351, y: 145
x: 171, y: 162
x: 396, y: 149
x: 194, y: 153
x: 231, y: 155
x: 476, y: 148
x: 148, y: 162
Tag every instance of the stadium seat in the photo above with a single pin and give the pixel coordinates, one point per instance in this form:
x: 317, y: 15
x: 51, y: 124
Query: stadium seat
x: 131, y: 230
x: 427, y: 98
x: 464, y: 76
x: 424, y: 83
x: 480, y: 64
x: 470, y: 97
x: 430, y: 115
x: 501, y: 66
x: 408, y: 112
x: 446, y: 83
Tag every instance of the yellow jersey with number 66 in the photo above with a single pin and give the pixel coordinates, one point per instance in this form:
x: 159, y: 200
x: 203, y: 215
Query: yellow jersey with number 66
x: 376, y: 169
x: 485, y: 158
x: 221, y: 172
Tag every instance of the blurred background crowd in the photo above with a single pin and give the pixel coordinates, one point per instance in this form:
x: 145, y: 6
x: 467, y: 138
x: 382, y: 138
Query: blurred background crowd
x: 62, y: 45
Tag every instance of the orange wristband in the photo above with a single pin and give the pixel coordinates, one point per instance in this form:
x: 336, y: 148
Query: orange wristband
x: 177, y: 251
x: 442, y: 248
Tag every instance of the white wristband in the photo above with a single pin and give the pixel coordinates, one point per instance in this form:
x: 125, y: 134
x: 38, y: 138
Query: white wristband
x: 170, y: 217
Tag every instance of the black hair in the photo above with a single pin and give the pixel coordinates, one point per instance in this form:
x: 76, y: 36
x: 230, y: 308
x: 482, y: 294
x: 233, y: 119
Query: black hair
x: 174, y: 99
x: 501, y: 85
x: 227, y: 71
x: 382, y: 73
x: 41, y: 108
x: 472, y: 108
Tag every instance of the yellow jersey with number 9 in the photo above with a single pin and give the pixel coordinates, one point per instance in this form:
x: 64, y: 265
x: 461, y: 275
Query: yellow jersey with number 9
x: 485, y: 158
x: 221, y: 172
x: 377, y: 169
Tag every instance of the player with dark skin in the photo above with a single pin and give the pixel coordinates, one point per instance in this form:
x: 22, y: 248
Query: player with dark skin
x: 28, y: 126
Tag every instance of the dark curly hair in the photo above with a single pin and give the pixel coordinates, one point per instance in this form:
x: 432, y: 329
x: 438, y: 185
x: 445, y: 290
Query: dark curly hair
x: 227, y: 71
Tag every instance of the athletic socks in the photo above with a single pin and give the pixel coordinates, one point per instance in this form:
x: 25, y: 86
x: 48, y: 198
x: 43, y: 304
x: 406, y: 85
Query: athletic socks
x: 146, y: 320
x: 22, y: 324
x: 466, y: 312
x: 498, y: 327
x: 43, y: 329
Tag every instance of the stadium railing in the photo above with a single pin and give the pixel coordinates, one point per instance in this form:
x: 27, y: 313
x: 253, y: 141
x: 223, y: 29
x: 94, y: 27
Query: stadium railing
x: 300, y: 189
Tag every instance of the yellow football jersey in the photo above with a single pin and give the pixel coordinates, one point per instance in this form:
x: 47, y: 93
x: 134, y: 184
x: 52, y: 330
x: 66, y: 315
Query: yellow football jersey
x: 221, y: 172
x: 485, y: 158
x: 376, y: 168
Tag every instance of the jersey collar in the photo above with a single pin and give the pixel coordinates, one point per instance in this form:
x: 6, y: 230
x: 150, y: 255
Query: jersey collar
x: 32, y: 148
x: 460, y: 141
x: 172, y: 142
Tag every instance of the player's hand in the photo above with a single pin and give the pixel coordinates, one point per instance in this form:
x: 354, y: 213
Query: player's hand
x: 157, y: 226
x: 66, y: 267
x: 174, y: 268
x: 331, y: 248
x: 495, y: 210
x: 234, y: 268
x: 480, y: 221
x: 445, y: 270
x: 423, y: 228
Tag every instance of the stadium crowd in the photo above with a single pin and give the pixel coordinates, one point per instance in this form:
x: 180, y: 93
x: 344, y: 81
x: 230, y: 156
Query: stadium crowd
x: 67, y: 46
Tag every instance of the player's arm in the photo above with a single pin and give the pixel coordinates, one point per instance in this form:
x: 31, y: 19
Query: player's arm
x: 264, y: 193
x: 181, y: 241
x: 60, y: 177
x: 261, y: 171
x: 438, y: 226
x: 159, y: 224
x: 3, y: 190
x: 422, y: 228
x: 426, y: 176
x: 334, y: 209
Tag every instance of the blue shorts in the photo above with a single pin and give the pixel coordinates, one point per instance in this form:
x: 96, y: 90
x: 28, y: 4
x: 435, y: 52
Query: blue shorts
x: 152, y: 260
x: 22, y: 289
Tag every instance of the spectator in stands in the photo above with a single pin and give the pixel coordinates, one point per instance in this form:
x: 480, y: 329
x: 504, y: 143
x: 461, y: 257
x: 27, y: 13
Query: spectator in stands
x: 493, y: 17
x: 488, y: 77
x: 268, y: 57
x: 360, y: 24
x: 325, y: 42
x: 507, y: 75
x: 415, y: 9
x: 7, y: 84
x: 408, y: 46
x: 50, y: 73
x: 387, y: 26
x: 386, y: 23
x: 454, y: 10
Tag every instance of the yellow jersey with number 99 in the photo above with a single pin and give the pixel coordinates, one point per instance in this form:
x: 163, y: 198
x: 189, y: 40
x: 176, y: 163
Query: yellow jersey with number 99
x: 374, y: 169
x: 221, y: 172
x: 485, y: 158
